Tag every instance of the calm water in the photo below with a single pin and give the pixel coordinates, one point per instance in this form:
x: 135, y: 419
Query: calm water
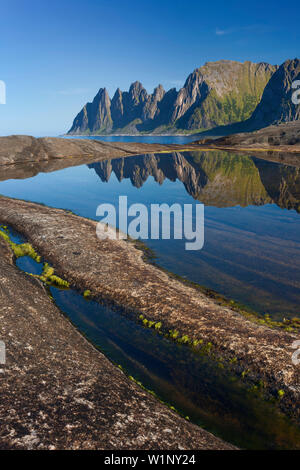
x: 252, y: 223
x: 153, y: 139
x: 251, y: 253
x: 193, y: 383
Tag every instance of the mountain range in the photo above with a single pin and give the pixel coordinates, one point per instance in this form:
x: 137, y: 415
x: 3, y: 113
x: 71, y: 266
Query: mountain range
x: 219, y: 95
x: 218, y: 179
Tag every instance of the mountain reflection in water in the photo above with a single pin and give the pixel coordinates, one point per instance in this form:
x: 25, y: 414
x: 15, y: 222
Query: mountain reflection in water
x: 216, y: 179
x: 251, y: 251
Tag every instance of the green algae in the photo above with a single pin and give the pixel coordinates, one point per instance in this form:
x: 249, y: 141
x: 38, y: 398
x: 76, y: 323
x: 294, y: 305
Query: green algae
x: 48, y: 277
x: 20, y: 250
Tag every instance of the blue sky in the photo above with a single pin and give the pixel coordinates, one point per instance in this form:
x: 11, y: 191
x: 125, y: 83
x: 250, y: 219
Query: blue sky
x: 56, y: 55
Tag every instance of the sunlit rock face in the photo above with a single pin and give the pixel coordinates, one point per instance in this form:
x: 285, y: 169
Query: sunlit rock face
x: 215, y: 94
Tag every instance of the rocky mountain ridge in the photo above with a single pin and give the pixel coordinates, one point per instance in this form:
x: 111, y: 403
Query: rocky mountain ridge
x: 215, y: 94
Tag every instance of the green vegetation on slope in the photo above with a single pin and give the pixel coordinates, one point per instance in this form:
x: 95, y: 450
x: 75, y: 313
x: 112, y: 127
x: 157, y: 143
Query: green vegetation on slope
x: 232, y: 98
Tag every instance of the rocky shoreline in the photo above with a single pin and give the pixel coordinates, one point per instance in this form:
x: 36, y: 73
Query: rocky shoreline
x: 59, y: 392
x: 115, y: 271
x: 283, y: 138
x: 27, y: 150
x: 21, y: 149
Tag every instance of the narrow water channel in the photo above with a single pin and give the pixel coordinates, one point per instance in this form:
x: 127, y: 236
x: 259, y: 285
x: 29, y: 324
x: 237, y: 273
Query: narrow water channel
x: 192, y: 383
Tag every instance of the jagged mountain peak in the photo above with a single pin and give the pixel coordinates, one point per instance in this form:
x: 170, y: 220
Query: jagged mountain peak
x: 217, y: 93
x: 102, y: 95
x: 118, y: 92
x: 159, y: 91
x: 102, y: 91
x: 136, y: 88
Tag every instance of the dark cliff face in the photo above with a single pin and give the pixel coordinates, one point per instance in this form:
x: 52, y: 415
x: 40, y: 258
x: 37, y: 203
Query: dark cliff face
x: 194, y: 91
x: 150, y: 109
x: 127, y: 107
x: 276, y: 105
x: 217, y: 93
x: 94, y: 116
x: 117, y: 107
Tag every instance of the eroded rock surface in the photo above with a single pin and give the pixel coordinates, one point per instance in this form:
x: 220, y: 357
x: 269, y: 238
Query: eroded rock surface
x: 59, y: 392
x: 22, y: 149
x: 114, y: 270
